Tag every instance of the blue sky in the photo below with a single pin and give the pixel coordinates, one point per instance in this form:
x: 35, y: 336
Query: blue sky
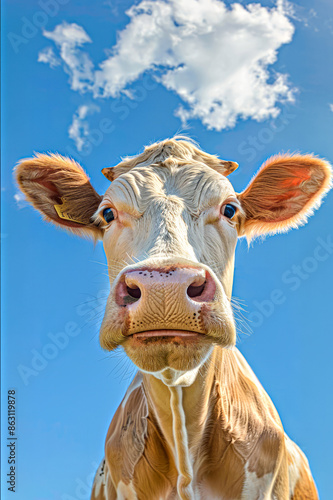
x: 243, y: 105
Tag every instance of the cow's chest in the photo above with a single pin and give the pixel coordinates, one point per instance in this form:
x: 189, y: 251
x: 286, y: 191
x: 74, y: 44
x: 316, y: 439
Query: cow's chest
x: 253, y: 488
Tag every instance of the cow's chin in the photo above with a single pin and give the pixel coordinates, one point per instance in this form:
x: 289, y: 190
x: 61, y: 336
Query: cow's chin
x: 180, y: 352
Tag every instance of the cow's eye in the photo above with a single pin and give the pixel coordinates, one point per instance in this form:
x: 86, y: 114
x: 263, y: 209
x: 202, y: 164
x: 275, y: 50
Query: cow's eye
x: 108, y: 215
x: 228, y: 210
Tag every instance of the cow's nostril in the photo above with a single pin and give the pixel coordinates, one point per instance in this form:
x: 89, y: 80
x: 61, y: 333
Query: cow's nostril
x: 195, y: 291
x: 134, y: 292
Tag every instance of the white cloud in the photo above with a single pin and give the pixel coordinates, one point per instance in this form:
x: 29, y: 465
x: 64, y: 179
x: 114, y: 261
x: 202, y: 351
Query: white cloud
x: 79, y: 128
x: 47, y: 56
x: 216, y: 57
x: 20, y: 200
x: 69, y: 38
x: 331, y: 107
x: 114, y: 6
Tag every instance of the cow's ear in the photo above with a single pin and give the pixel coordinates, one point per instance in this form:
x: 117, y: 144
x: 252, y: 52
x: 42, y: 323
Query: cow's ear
x: 283, y: 194
x: 60, y: 190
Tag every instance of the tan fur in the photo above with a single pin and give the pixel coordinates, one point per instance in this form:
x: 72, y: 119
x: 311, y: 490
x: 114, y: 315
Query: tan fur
x: 119, y: 441
x: 305, y: 487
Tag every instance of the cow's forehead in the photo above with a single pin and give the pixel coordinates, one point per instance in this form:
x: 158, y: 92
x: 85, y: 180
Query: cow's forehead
x: 196, y: 185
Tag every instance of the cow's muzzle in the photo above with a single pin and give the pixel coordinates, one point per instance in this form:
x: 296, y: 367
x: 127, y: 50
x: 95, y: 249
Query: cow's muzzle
x: 165, y: 298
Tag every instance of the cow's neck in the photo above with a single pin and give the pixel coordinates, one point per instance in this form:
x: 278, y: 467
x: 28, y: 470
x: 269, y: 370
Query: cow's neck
x: 181, y: 408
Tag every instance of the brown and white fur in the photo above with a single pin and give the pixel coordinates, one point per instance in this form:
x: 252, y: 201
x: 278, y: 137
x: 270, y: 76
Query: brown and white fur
x: 195, y: 422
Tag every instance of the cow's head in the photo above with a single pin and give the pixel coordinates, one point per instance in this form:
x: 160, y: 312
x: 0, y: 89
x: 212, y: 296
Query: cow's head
x: 169, y: 222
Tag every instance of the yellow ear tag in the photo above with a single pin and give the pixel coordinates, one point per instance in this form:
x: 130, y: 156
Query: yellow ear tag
x: 64, y: 214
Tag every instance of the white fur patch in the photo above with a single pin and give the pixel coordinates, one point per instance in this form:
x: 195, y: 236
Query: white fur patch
x: 294, y: 467
x: 126, y: 491
x: 180, y: 378
x: 136, y: 382
x: 183, y: 461
x: 257, y: 488
x: 100, y: 480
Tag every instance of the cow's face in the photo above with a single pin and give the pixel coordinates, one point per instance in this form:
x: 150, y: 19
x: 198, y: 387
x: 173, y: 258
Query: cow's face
x: 176, y: 228
x: 169, y: 227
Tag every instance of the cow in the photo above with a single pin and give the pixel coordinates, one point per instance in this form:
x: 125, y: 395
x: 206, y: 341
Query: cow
x: 195, y: 423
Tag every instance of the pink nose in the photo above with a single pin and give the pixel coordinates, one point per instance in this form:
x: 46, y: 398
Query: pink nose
x: 165, y: 298
x: 191, y: 284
